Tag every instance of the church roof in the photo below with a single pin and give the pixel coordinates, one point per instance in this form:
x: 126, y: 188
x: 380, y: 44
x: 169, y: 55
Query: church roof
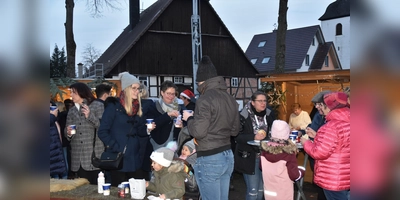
x: 337, y: 9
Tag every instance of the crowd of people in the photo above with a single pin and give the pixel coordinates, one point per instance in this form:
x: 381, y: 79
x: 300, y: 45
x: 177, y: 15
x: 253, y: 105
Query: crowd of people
x: 204, y: 159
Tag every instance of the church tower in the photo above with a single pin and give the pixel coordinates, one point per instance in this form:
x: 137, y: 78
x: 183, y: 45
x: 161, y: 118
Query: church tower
x: 335, y: 25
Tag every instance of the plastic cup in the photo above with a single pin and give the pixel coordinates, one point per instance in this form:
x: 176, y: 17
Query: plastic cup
x: 149, y: 125
x: 53, y: 108
x: 189, y: 111
x: 106, y: 189
x: 73, y: 127
x: 296, y: 133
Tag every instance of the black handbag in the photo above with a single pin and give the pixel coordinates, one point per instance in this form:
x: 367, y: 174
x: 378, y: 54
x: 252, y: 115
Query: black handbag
x: 108, y: 160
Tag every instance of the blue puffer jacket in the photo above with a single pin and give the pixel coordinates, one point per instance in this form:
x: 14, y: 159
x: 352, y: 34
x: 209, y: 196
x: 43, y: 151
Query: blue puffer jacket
x: 57, y: 162
x: 117, y: 129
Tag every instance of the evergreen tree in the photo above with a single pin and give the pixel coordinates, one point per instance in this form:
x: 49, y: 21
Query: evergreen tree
x: 58, y: 63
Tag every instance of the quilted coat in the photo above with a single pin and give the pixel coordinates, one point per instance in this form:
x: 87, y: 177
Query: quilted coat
x: 57, y: 162
x: 82, y: 142
x: 331, y: 151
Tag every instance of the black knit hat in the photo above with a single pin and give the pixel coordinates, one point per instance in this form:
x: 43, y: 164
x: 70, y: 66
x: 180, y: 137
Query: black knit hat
x: 206, y: 70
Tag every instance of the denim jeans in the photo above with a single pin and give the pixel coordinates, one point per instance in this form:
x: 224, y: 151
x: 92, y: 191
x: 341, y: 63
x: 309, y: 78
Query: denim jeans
x: 213, y: 175
x: 337, y: 195
x: 254, y: 183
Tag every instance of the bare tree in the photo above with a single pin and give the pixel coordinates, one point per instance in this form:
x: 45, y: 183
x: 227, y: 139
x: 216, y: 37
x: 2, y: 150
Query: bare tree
x: 281, y: 37
x: 89, y: 55
x: 95, y: 8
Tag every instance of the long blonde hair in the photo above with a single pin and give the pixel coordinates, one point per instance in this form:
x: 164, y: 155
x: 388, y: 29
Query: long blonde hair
x: 128, y: 102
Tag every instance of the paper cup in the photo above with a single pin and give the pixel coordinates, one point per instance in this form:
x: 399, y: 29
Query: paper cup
x: 293, y: 137
x: 126, y: 186
x: 73, y: 127
x: 106, y: 189
x: 149, y: 125
x: 295, y: 133
x: 53, y: 108
x: 189, y: 111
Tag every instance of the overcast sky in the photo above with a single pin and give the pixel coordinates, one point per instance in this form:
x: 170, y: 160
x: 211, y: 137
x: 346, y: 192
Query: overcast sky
x: 243, y: 18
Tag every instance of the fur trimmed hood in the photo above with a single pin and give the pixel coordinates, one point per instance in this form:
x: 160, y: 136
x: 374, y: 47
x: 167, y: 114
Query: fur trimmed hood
x: 176, y: 166
x: 290, y: 148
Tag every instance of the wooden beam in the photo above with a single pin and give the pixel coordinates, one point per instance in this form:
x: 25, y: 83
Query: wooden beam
x: 308, y: 76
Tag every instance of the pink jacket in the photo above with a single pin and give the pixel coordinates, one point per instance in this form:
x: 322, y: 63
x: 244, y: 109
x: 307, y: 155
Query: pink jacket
x: 331, y: 151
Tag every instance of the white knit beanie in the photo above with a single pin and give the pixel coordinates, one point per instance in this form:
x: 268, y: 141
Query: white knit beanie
x: 127, y: 79
x: 280, y: 130
x: 162, y: 156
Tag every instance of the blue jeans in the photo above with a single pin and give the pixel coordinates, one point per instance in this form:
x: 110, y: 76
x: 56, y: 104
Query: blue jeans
x: 213, y: 175
x: 254, y: 183
x: 337, y: 195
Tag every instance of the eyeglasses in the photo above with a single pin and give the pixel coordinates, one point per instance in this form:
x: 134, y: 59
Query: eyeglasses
x: 261, y: 101
x: 318, y: 104
x: 136, y: 89
x: 169, y: 94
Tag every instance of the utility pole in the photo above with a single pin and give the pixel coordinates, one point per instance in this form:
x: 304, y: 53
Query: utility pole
x: 196, y: 43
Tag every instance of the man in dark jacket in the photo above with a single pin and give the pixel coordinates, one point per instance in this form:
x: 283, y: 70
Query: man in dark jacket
x: 215, y: 120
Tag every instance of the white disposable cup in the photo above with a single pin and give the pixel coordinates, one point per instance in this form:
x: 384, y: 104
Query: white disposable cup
x: 189, y: 111
x: 149, y: 125
x: 73, y: 129
x: 53, y: 108
x: 106, y: 189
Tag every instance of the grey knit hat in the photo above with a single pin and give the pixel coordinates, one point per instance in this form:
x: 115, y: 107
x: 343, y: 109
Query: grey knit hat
x: 127, y: 79
x: 206, y: 70
x: 162, y: 156
x: 319, y: 97
x: 190, y: 145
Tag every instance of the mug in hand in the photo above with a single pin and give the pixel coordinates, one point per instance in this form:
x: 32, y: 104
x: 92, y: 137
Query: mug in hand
x: 73, y: 127
x: 53, y: 108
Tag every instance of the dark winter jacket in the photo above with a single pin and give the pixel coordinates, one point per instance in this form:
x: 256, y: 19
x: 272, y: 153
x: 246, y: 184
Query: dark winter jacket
x: 118, y: 130
x: 169, y: 181
x: 57, y: 162
x: 164, y: 125
x: 216, y: 118
x: 245, y: 154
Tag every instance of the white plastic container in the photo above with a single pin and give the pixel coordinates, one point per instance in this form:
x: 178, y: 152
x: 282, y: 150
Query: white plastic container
x: 100, y: 182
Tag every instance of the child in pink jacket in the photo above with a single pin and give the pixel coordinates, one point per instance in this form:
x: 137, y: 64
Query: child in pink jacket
x: 279, y: 163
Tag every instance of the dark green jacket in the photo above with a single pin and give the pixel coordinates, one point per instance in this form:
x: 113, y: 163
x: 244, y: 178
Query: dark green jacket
x: 169, y: 181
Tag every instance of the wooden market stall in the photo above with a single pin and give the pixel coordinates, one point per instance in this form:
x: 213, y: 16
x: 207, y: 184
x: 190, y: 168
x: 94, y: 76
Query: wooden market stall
x: 300, y: 87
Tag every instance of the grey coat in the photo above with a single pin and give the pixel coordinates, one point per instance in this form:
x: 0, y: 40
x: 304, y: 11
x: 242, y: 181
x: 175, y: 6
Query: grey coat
x: 82, y: 141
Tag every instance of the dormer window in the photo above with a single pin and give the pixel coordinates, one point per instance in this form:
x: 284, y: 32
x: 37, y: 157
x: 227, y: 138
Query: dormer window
x: 265, y: 60
x: 253, y: 60
x: 307, y: 60
x: 262, y: 43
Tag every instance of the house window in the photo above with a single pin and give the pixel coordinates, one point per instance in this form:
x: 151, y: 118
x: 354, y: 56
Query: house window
x: 307, y: 60
x: 234, y: 82
x: 265, y: 60
x: 178, y: 79
x: 339, y: 29
x: 262, y: 43
x: 253, y: 60
x: 313, y: 42
x: 326, y: 61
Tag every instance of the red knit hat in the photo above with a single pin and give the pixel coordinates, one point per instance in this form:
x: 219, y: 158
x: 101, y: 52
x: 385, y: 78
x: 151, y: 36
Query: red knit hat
x: 335, y: 100
x: 188, y: 94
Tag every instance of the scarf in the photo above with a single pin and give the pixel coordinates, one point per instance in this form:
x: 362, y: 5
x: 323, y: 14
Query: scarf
x: 169, y: 107
x: 135, y: 103
x: 258, y: 119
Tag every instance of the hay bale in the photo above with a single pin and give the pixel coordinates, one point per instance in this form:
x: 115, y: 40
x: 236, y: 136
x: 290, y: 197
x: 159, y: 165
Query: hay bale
x: 57, y: 185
